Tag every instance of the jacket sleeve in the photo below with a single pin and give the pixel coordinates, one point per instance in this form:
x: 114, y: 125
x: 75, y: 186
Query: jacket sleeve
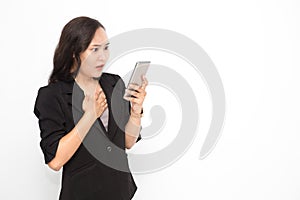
x: 51, y: 121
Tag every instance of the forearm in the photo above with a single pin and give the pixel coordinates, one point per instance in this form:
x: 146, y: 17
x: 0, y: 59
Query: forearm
x: 132, y: 131
x: 136, y: 98
x: 69, y: 144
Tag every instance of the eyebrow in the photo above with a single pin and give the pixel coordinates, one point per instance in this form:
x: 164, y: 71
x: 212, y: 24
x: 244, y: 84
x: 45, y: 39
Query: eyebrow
x: 99, y: 45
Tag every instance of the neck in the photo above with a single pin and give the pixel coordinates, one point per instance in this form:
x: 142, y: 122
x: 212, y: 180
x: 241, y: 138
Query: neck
x: 87, y: 84
x: 86, y: 80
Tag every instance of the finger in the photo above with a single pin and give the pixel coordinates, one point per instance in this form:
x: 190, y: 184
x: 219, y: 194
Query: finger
x: 128, y: 98
x: 98, y: 90
x: 102, y: 96
x: 137, y: 89
x: 101, y: 100
x: 133, y: 87
x: 98, y: 95
x: 134, y: 100
x: 145, y: 82
x: 133, y: 93
x: 103, y: 104
x: 141, y: 91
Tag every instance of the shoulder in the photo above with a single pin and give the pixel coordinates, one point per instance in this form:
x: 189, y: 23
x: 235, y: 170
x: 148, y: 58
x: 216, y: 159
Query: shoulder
x: 48, y: 100
x: 111, y: 77
x: 49, y: 95
x: 50, y: 90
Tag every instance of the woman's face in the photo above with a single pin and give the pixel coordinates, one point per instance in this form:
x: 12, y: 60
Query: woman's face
x: 95, y: 56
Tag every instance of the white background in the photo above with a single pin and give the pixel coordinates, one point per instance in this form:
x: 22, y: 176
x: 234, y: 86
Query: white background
x: 255, y: 47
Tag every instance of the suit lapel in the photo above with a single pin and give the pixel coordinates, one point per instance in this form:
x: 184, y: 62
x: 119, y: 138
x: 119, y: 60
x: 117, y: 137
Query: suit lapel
x: 108, y: 86
x: 74, y: 96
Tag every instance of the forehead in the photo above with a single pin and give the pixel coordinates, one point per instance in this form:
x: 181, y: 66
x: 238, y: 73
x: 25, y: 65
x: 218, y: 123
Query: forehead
x: 100, y: 37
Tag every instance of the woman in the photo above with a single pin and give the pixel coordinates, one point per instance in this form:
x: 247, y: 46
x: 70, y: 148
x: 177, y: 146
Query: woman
x: 94, y: 160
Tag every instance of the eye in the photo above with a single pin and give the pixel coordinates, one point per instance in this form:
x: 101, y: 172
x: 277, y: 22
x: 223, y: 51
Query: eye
x: 95, y: 49
x: 106, y: 48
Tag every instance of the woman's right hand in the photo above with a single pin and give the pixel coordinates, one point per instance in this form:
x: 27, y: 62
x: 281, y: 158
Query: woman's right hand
x: 95, y: 104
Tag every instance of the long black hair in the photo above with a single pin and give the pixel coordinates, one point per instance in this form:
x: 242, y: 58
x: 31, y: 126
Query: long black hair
x: 75, y: 38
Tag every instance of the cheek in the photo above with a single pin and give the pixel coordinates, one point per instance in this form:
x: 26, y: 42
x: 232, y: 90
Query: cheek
x: 86, y: 66
x: 107, y: 54
x: 83, y: 56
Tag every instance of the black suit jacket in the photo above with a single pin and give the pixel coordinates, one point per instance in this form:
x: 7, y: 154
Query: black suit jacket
x: 99, y: 168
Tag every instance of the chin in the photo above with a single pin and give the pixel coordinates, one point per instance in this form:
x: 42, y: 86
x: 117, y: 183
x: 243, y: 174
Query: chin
x: 98, y: 76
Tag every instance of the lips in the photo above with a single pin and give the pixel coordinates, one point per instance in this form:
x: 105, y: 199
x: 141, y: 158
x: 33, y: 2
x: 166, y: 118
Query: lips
x: 100, y: 66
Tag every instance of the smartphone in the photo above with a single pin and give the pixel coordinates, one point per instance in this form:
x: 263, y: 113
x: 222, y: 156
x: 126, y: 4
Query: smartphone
x: 140, y: 69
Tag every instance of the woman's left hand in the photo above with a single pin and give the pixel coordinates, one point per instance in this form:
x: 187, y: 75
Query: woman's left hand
x: 138, y: 94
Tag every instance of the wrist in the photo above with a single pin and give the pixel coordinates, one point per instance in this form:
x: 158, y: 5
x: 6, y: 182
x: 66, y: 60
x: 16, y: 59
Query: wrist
x: 136, y: 113
x: 90, y: 115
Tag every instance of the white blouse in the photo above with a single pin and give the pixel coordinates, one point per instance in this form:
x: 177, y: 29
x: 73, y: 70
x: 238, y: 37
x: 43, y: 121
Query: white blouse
x: 104, y: 118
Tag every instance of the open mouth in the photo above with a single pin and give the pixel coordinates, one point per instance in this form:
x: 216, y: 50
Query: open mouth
x: 100, y: 66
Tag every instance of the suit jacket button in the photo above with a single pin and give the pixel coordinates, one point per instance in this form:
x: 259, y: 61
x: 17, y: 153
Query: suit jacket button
x: 108, y: 148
